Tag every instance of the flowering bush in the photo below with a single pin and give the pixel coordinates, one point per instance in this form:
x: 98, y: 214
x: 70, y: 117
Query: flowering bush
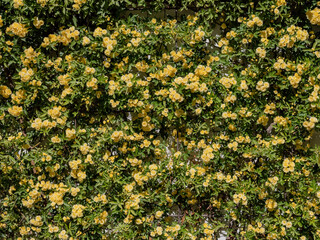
x: 145, y: 128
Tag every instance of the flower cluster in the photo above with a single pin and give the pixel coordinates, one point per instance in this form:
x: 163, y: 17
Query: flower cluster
x: 118, y: 126
x: 18, y: 29
x: 311, y: 123
x: 314, y: 16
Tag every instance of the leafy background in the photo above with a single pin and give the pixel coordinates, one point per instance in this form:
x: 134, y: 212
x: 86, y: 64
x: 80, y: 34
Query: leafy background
x: 159, y: 119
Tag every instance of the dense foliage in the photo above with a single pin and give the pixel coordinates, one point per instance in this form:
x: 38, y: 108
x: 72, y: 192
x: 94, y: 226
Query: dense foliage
x: 118, y: 126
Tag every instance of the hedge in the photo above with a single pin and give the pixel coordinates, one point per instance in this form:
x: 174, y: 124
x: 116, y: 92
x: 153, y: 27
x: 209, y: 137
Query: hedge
x: 196, y: 124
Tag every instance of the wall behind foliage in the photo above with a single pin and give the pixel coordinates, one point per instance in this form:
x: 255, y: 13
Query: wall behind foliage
x: 159, y: 119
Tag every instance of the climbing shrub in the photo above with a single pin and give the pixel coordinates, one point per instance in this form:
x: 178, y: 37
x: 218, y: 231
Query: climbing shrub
x: 190, y: 126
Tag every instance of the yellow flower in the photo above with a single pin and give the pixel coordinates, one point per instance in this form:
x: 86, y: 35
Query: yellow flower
x: 85, y: 41
x: 77, y: 211
x: 5, y: 91
x: 63, y: 235
x: 158, y: 214
x: 281, y: 3
x: 53, y: 229
x: 93, y: 84
x: 116, y: 136
x: 207, y: 154
x: 89, y: 70
x: 262, y: 86
x: 159, y: 230
x: 271, y: 204
x: 15, y: 111
x: 37, y: 221
x: 81, y: 176
x: 18, y: 29
x: 294, y: 80
x: 55, y: 112
x: 288, y: 165
x: 128, y: 188
x: 38, y: 23
x: 74, y: 191
x: 55, y: 139
x: 135, y: 41
x: 85, y: 148
x: 228, y: 82
x: 64, y: 79
x: 26, y: 74
x: 56, y: 198
x: 261, y: 52
x: 70, y: 133
x: 17, y: 3
x: 314, y: 16
x: 310, y: 124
